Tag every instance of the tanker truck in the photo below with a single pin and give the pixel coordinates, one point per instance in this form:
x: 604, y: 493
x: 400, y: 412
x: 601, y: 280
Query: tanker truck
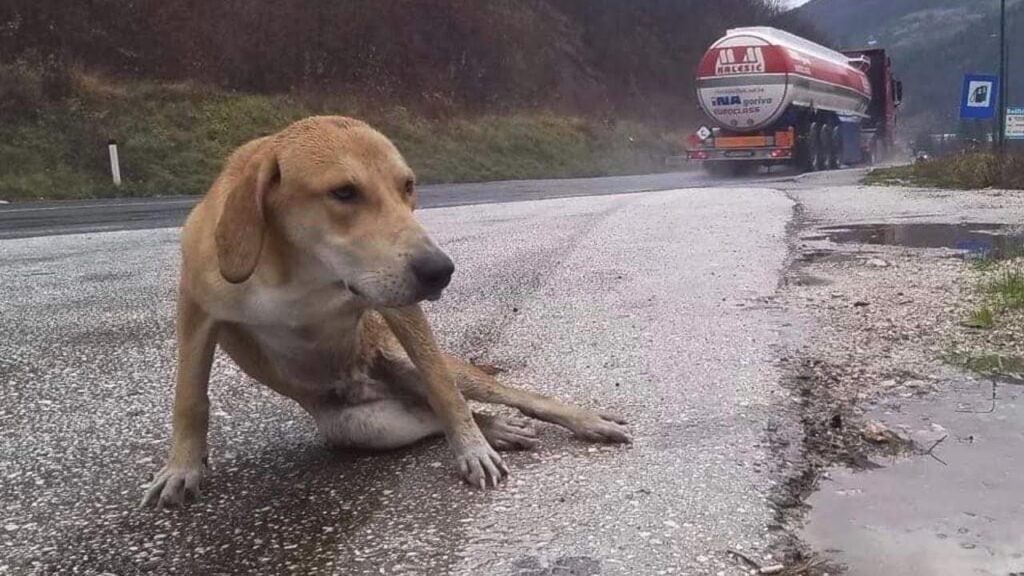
x: 776, y: 98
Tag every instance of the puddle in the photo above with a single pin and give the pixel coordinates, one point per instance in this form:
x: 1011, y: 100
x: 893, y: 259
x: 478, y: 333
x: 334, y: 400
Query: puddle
x: 831, y: 256
x: 804, y: 279
x: 958, y: 511
x: 980, y: 240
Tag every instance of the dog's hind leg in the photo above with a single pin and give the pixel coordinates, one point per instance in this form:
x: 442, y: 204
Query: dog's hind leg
x: 383, y: 424
x: 477, y: 384
x: 393, y: 423
x: 397, y: 372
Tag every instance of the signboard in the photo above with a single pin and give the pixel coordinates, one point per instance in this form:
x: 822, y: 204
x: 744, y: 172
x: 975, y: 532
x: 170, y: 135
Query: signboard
x: 1015, y: 123
x: 980, y: 95
x: 703, y: 133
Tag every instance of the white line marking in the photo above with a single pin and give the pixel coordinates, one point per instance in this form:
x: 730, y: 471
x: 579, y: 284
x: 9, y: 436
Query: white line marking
x: 95, y: 206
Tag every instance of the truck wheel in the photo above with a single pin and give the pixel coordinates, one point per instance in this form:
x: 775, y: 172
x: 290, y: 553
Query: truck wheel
x: 743, y: 168
x: 814, y: 147
x: 717, y: 169
x: 835, y: 157
x: 875, y: 151
x: 825, y: 152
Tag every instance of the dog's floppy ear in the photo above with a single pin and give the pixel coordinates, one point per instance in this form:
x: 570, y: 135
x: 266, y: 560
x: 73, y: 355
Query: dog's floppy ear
x: 239, y: 232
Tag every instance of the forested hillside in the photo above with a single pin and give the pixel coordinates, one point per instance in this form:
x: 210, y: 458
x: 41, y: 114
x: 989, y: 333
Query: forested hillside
x: 933, y: 42
x: 469, y: 89
x: 588, y: 55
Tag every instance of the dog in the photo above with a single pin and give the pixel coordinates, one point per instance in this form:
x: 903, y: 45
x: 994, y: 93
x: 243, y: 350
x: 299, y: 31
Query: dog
x: 305, y: 264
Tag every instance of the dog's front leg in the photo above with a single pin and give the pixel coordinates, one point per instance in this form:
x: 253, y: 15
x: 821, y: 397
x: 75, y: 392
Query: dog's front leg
x: 477, y: 462
x: 186, y: 464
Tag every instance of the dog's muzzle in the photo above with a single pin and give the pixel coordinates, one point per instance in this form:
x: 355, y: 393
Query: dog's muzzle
x: 433, y: 271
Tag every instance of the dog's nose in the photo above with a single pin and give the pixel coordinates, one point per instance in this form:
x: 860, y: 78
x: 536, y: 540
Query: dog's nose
x: 433, y: 270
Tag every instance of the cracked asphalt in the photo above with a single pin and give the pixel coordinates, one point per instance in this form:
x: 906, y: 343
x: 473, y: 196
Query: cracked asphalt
x: 648, y: 304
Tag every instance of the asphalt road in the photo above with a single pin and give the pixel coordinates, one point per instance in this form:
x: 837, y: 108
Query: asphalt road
x: 646, y: 304
x: 46, y: 218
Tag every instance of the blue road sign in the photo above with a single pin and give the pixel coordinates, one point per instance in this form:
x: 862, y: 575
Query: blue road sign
x: 980, y: 96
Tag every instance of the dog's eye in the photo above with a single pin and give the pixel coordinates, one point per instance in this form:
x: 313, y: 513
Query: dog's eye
x: 346, y: 193
x: 410, y: 187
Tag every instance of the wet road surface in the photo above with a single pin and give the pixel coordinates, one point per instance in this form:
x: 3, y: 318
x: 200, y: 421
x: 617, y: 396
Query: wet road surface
x: 45, y: 218
x: 645, y: 304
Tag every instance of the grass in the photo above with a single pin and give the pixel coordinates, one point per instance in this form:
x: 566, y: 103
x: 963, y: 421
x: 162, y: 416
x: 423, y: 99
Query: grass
x: 999, y: 311
x: 982, y: 317
x: 963, y: 171
x: 1008, y: 288
x: 1002, y: 285
x: 174, y: 137
x: 987, y: 364
x: 983, y: 264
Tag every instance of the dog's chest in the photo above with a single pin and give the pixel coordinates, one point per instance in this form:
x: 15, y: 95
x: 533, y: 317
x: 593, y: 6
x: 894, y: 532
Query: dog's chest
x: 309, y: 356
x: 311, y: 341
x: 284, y: 307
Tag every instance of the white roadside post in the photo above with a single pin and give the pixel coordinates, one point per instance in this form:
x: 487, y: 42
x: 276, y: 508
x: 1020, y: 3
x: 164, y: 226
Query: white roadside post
x: 115, y: 165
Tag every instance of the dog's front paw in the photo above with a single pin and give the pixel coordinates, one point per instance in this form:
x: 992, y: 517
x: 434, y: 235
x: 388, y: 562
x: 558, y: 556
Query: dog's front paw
x: 599, y: 427
x: 479, y: 465
x: 173, y: 484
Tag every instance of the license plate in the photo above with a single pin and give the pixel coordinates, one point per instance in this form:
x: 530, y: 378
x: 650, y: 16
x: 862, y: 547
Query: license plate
x: 739, y: 154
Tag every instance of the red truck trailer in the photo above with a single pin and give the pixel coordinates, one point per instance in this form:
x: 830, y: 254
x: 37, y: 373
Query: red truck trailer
x: 776, y: 98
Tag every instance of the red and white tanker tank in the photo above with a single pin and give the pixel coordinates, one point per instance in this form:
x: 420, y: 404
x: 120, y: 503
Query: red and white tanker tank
x: 751, y: 76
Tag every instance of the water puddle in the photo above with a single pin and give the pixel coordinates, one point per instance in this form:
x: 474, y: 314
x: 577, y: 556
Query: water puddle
x: 956, y: 508
x: 980, y: 240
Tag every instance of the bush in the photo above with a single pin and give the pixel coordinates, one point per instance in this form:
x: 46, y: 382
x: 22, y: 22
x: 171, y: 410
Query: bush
x: 1013, y: 172
x: 965, y: 170
x: 174, y: 138
x: 30, y: 82
x: 21, y: 90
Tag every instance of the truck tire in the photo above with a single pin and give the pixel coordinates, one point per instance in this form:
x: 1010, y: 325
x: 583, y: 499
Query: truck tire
x: 875, y: 152
x: 814, y: 147
x: 827, y: 145
x: 719, y: 169
x: 743, y: 168
x: 835, y: 157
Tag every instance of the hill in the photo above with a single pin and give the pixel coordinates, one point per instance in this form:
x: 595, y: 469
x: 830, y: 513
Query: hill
x: 512, y: 88
x: 933, y: 43
x: 596, y: 56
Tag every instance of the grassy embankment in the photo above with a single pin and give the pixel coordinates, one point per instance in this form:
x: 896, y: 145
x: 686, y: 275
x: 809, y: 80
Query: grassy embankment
x: 992, y: 342
x: 965, y: 171
x: 174, y: 137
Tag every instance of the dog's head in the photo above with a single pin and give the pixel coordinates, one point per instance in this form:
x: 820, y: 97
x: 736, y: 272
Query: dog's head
x: 340, y: 196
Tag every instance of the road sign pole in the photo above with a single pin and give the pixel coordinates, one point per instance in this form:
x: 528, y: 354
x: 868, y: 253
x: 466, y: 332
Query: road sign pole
x: 1003, y: 83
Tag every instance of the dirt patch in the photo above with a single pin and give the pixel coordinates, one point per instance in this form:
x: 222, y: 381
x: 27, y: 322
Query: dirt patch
x: 832, y: 431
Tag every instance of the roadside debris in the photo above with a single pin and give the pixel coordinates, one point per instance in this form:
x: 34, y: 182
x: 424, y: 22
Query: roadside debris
x: 756, y: 567
x: 878, y: 433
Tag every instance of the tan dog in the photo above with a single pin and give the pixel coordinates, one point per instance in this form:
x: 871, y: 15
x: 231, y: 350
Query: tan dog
x: 305, y: 264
